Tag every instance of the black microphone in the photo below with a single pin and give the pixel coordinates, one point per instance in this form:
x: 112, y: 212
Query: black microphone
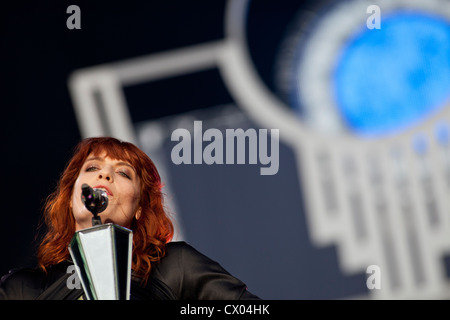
x: 95, y: 200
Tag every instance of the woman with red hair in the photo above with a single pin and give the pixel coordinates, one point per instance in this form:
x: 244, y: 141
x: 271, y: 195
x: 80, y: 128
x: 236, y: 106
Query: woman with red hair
x: 161, y: 269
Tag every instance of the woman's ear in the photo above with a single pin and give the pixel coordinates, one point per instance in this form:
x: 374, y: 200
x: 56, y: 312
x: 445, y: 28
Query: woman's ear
x: 138, y: 213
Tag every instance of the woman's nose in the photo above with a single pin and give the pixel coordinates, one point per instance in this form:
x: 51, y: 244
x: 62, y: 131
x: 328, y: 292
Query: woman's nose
x: 105, y: 174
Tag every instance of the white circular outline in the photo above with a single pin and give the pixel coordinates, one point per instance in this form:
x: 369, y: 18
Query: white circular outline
x: 316, y: 65
x: 268, y: 110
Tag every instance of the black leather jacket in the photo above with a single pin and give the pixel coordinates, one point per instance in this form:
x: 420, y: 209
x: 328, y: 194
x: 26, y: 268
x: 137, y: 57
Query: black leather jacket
x: 183, y: 274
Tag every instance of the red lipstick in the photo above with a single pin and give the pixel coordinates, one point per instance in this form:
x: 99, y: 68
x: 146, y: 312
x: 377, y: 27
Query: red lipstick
x: 108, y: 190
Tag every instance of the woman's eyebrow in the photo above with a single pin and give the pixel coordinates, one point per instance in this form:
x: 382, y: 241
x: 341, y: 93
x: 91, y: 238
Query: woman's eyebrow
x: 95, y: 159
x: 123, y: 163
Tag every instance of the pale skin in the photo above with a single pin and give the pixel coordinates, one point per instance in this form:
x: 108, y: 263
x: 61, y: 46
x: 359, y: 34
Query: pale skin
x: 122, y: 184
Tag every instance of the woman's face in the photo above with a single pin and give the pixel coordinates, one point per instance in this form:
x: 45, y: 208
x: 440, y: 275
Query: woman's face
x: 120, y: 181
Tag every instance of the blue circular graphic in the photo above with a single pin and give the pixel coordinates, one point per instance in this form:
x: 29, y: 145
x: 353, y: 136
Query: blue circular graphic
x: 391, y: 78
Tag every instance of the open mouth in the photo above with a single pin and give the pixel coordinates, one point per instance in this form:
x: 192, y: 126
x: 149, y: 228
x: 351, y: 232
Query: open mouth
x: 104, y: 188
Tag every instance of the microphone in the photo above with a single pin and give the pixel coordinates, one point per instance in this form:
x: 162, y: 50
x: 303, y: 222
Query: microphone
x: 102, y: 253
x: 95, y: 200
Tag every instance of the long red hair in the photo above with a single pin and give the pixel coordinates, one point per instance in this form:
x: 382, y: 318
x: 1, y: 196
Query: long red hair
x: 150, y: 232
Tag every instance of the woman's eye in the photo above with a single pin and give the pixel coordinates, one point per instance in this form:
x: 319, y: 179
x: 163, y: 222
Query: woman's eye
x: 91, y: 168
x: 124, y: 174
